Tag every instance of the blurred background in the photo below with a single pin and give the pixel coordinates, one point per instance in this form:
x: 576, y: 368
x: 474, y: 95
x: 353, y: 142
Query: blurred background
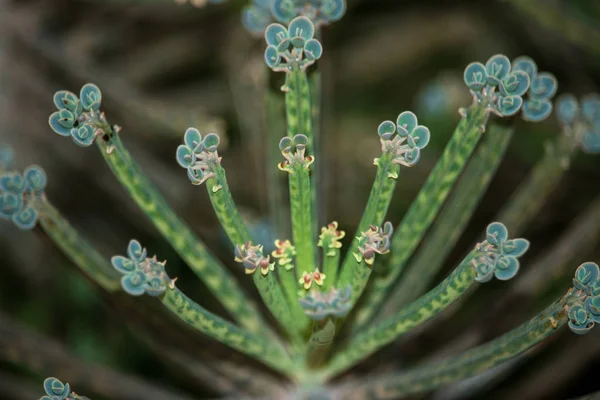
x: 163, y: 67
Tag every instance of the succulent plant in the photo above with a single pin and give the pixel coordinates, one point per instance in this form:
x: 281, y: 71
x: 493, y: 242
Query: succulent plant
x: 334, y: 306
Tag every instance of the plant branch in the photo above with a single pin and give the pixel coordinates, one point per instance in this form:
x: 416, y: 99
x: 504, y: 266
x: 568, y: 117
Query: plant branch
x: 424, y: 208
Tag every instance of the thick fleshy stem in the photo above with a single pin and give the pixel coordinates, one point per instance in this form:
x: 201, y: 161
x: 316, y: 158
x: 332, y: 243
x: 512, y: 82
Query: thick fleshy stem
x: 84, y: 255
x: 217, y: 278
x: 297, y: 166
x: 424, y: 208
x: 453, y: 218
x: 261, y: 348
x: 146, y: 275
x: 200, y: 157
x: 320, y: 341
x: 329, y: 241
x: 401, y: 144
x: 470, y: 363
x: 497, y: 256
x: 285, y: 254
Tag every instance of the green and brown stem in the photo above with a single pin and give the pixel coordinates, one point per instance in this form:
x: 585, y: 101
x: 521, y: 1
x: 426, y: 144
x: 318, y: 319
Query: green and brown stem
x: 259, y: 347
x: 416, y: 313
x: 84, y: 255
x: 452, y: 220
x: 531, y: 195
x: 352, y: 271
x: 470, y: 363
x: 423, y: 210
x: 217, y: 278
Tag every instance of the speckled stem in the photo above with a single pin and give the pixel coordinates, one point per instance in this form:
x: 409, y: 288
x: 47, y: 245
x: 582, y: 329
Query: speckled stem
x: 354, y: 272
x: 259, y: 347
x: 468, y: 364
x: 84, y: 255
x: 268, y: 287
x: 299, y: 115
x: 423, y: 210
x: 300, y: 201
x: 217, y: 278
x: 423, y: 309
x: 330, y: 267
x: 453, y: 219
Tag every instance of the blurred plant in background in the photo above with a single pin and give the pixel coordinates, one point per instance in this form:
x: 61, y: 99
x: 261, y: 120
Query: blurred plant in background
x: 361, y: 302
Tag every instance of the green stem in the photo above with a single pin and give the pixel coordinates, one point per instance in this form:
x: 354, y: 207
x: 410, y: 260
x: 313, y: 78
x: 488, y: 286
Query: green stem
x: 354, y: 272
x: 453, y: 218
x: 231, y: 221
x: 300, y: 200
x: 260, y: 347
x: 218, y: 280
x: 299, y: 115
x: 331, y: 262
x: 423, y: 309
x: 424, y: 208
x: 320, y: 342
x: 290, y: 286
x: 531, y: 195
x: 298, y: 108
x: 84, y: 255
x: 470, y: 363
x: 318, y: 191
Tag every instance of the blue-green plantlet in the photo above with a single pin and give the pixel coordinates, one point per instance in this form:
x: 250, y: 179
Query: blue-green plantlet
x: 585, y: 313
x: 257, y: 16
x: 581, y: 121
x: 19, y: 193
x: 78, y: 117
x: 501, y: 255
x: 498, y: 85
x: 292, y: 47
x: 331, y: 306
x: 56, y: 390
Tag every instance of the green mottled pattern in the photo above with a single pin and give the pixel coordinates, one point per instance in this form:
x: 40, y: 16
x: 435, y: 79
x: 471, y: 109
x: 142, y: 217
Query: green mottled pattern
x: 290, y: 286
x: 297, y: 106
x: 318, y: 191
x: 453, y: 218
x: 300, y: 201
x: 231, y: 220
x: 531, y: 195
x: 218, y: 280
x: 423, y: 210
x: 374, y: 214
x: 330, y: 267
x: 273, y: 297
x: 92, y: 263
x: 299, y: 114
x: 227, y: 212
x: 470, y: 363
x: 259, y: 347
x: 320, y: 342
x: 425, y: 308
x: 360, y: 276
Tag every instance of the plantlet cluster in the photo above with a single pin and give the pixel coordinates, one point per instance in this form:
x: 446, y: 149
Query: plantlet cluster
x: 334, y: 306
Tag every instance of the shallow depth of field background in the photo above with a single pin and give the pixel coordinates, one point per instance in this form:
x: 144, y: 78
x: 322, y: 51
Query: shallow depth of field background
x: 163, y: 68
